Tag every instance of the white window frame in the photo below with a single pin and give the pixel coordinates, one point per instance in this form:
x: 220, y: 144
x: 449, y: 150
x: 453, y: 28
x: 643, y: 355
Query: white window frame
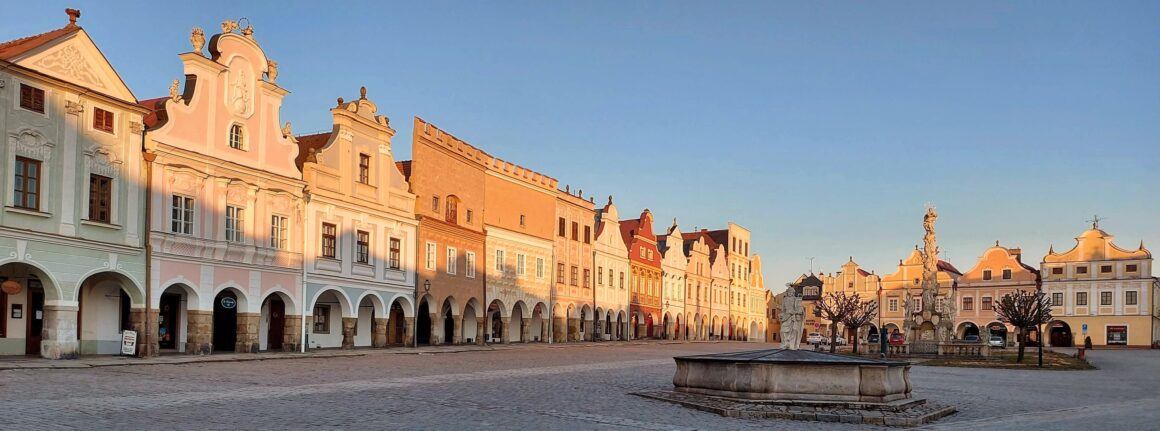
x: 188, y: 214
x: 279, y: 231
x: 452, y: 260
x: 469, y: 260
x: 243, y: 144
x: 235, y: 224
x: 500, y: 257
x: 430, y: 256
x: 398, y: 263
x: 539, y: 268
x: 521, y: 264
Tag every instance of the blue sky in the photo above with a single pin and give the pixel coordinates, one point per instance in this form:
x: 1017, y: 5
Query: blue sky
x: 822, y: 126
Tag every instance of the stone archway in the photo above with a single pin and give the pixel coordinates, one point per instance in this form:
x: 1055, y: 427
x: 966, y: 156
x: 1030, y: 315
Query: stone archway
x: 473, y: 329
x: 397, y: 333
x: 58, y: 322
x: 332, y: 320
x: 107, y: 304
x: 423, y: 323
x: 280, y: 325
x: 497, y: 322
x: 231, y: 324
x: 181, y: 326
x: 370, y: 328
x: 1060, y: 334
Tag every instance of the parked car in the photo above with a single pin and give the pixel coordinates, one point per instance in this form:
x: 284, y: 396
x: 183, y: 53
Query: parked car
x: 997, y: 341
x: 896, y: 339
x: 971, y: 339
x: 841, y: 341
x: 816, y: 338
x: 872, y: 339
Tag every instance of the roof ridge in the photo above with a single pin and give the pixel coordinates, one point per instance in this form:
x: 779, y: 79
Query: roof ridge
x: 18, y: 46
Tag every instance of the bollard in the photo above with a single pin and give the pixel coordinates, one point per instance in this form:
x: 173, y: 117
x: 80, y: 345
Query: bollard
x: 1079, y: 353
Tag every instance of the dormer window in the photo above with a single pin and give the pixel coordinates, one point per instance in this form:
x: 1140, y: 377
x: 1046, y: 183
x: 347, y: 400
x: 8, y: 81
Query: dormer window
x: 237, y: 137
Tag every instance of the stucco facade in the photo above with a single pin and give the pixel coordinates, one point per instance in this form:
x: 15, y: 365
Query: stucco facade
x: 447, y: 176
x: 573, y: 277
x: 905, y: 285
x: 1109, y: 289
x: 359, y: 254
x: 645, y: 282
x: 610, y: 257
x: 674, y: 263
x: 227, y: 211
x: 698, y: 284
x: 999, y: 271
x: 71, y: 226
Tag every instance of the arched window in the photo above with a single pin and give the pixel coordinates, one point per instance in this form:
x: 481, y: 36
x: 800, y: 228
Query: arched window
x: 237, y: 137
x: 452, y: 209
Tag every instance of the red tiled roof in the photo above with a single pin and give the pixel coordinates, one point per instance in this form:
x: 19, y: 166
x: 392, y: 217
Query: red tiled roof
x: 404, y: 167
x: 862, y: 272
x: 627, y: 227
x: 308, y: 142
x: 946, y: 266
x: 692, y: 236
x: 156, y: 116
x: 13, y: 48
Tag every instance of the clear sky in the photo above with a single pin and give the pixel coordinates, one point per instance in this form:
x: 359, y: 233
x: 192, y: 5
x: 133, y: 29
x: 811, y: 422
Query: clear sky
x: 824, y: 127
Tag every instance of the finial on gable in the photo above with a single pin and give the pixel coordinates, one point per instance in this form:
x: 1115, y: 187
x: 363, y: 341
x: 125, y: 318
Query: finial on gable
x: 610, y: 199
x: 362, y: 93
x: 73, y: 15
x: 996, y: 243
x: 340, y: 101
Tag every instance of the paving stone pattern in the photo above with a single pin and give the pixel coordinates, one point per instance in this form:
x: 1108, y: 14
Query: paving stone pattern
x: 575, y: 387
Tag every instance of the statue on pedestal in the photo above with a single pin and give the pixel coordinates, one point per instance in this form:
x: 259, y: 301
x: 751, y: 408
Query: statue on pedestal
x: 792, y: 317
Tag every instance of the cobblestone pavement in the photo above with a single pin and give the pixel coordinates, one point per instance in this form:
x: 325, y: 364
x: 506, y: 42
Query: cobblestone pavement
x: 530, y: 387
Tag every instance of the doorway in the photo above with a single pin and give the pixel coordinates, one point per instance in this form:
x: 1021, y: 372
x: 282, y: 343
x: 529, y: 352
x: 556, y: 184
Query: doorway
x: 168, y: 321
x: 35, y: 317
x: 225, y: 322
x: 277, y: 325
x: 423, y: 325
x: 448, y: 327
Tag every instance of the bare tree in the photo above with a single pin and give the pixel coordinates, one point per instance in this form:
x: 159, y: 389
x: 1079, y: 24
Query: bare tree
x: 1024, y: 309
x: 835, y: 307
x: 862, y: 314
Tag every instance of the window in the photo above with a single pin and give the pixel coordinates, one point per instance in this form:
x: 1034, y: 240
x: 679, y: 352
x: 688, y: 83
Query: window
x: 100, y: 198
x: 1057, y: 299
x: 102, y: 120
x: 560, y: 273
x: 31, y: 98
x: 26, y: 188
x: 1105, y: 298
x: 987, y: 303
x: 575, y: 231
x: 1081, y: 270
x: 622, y: 280
x: 435, y: 203
x: 278, y: 231
x: 1006, y: 274
x: 540, y: 268
x: 563, y: 228
x: 468, y: 217
x: 329, y: 240
x: 892, y: 304
x: 610, y: 281
x: 364, y: 168
x: 588, y: 275
x: 237, y: 137
x: 393, y: 254
x: 650, y: 254
x: 1118, y: 335
x: 575, y: 276
x: 1130, y: 297
x: 430, y: 257
x: 182, y: 215
x: 235, y: 220
x: 1081, y: 298
x: 600, y: 276
x: 1131, y: 268
x: 521, y: 264
x: 452, y: 211
x: 968, y: 304
x: 1105, y: 269
x: 452, y: 260
x: 1057, y: 271
x: 523, y: 220
x: 986, y: 274
x: 469, y: 261
x: 587, y: 234
x: 500, y: 261
x: 321, y: 319
x: 362, y: 247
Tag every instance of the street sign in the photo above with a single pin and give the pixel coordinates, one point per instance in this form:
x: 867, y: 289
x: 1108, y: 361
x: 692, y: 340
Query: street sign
x: 128, y: 342
x: 1085, y: 329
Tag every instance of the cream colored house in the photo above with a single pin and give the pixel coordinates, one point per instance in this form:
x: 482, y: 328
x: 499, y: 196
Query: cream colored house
x: 673, y: 281
x: 610, y: 257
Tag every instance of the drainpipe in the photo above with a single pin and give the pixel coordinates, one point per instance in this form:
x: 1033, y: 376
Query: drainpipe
x: 149, y: 157
x: 302, y: 318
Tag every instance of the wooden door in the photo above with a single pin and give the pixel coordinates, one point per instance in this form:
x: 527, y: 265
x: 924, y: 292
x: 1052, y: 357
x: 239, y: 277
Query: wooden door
x: 168, y: 321
x: 35, y: 316
x: 277, y: 324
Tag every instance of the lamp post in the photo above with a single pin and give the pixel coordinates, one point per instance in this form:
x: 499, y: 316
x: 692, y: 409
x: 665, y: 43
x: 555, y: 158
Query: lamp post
x: 415, y: 334
x: 1039, y: 314
x: 881, y: 336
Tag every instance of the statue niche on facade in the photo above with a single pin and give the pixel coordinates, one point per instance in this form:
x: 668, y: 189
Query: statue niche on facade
x: 792, y: 318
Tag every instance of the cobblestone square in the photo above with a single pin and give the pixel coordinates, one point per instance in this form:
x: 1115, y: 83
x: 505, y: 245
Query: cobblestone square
x: 572, y: 386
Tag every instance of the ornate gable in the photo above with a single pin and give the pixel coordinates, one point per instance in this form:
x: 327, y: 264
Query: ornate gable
x: 75, y: 58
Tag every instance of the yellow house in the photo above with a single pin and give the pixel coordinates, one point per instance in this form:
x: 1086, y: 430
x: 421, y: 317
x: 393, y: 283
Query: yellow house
x: 1102, y: 291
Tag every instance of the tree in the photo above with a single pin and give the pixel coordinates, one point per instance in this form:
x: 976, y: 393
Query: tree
x: 860, y: 316
x: 835, y: 307
x: 1024, y: 309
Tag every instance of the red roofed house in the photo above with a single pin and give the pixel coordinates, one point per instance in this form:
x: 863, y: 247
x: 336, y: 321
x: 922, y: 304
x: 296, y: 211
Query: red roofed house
x: 644, y: 258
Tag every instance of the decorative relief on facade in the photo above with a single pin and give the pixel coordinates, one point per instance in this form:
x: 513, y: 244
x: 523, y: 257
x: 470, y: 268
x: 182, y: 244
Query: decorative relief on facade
x: 73, y: 108
x: 281, y: 203
x: 184, y: 182
x: 70, y: 61
x: 272, y: 71
x: 174, y: 93
x: 103, y: 163
x: 346, y: 134
x: 229, y: 25
x: 240, y: 95
x: 30, y: 143
x: 384, y: 149
x: 197, y: 39
x: 136, y: 127
x: 237, y: 194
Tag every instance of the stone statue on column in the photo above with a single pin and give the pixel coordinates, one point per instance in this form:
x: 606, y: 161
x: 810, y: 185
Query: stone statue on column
x: 792, y: 318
